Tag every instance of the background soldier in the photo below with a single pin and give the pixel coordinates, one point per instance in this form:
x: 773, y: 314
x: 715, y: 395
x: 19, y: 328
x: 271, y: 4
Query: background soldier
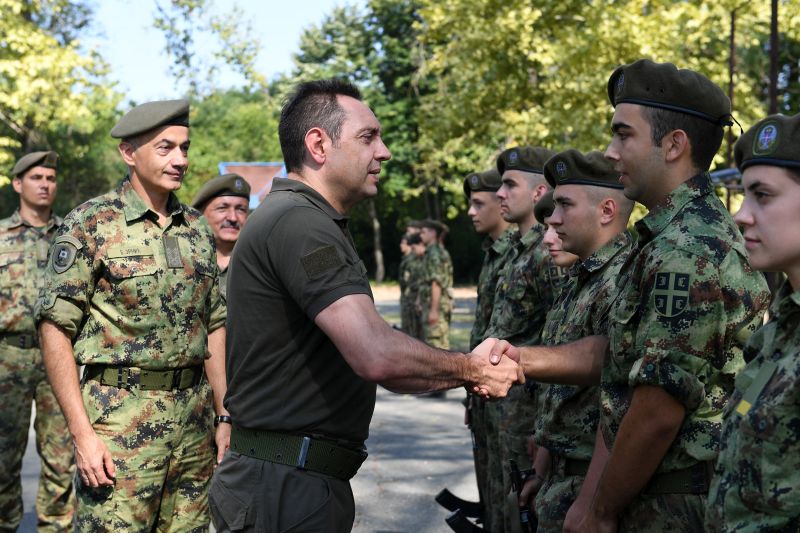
x: 757, y: 478
x: 410, y: 276
x: 686, y: 306
x: 24, y: 240
x: 484, y: 210
x: 436, y: 288
x: 591, y: 216
x: 225, y: 202
x: 523, y: 296
x: 133, y: 283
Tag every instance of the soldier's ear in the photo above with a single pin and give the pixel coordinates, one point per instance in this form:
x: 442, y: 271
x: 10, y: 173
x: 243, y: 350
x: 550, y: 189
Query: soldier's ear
x: 126, y: 150
x: 17, y: 184
x: 608, y: 210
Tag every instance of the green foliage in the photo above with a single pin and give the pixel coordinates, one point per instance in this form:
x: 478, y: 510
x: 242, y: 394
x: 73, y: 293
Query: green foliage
x: 52, y: 96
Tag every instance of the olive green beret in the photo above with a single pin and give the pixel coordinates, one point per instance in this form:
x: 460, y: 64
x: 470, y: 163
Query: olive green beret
x: 574, y: 168
x: 151, y: 115
x: 225, y: 185
x: 544, y: 207
x: 482, y: 181
x: 773, y: 141
x: 663, y: 85
x: 35, y: 159
x: 525, y: 158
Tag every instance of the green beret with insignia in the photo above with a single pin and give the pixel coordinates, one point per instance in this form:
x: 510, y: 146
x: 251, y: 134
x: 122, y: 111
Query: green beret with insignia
x: 35, y: 159
x: 544, y: 207
x: 224, y: 185
x: 524, y: 158
x: 151, y: 115
x: 665, y: 86
x: 571, y: 167
x: 482, y: 181
x: 773, y: 141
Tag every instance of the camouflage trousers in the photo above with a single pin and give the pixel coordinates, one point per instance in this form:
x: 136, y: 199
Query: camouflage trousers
x: 438, y: 335
x: 510, y: 422
x: 664, y: 512
x: 161, y: 443
x: 22, y: 382
x: 554, y: 499
x: 479, y: 444
x: 410, y: 320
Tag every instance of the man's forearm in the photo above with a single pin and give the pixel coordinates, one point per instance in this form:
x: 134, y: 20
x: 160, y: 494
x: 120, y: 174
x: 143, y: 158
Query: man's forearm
x: 576, y: 363
x: 215, y: 368
x: 436, y: 296
x: 62, y: 372
x: 645, y: 434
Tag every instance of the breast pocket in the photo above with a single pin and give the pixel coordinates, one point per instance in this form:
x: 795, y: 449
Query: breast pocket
x: 133, y: 282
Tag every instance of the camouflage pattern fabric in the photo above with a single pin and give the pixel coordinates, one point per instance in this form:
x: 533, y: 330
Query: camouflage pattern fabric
x: 663, y: 512
x: 568, y: 417
x: 23, y: 256
x: 411, y: 275
x: 223, y: 282
x: 683, y: 314
x: 132, y: 293
x: 495, y: 257
x: 162, y: 446
x: 438, y: 268
x: 525, y: 293
x: 757, y: 477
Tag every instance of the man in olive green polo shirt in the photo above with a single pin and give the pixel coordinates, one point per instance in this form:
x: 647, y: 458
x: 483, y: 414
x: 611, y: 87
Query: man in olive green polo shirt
x: 24, y: 240
x: 132, y: 293
x: 306, y: 344
x: 224, y: 201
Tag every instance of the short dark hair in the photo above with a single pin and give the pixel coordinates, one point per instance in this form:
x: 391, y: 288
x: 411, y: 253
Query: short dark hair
x: 705, y: 138
x: 312, y: 104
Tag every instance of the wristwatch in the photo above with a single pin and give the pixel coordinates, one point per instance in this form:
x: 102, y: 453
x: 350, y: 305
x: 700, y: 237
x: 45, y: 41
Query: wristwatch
x: 224, y: 419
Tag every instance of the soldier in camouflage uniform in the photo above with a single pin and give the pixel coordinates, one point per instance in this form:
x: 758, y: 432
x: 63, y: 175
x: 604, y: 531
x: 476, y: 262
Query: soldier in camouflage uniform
x: 484, y: 210
x: 591, y: 215
x: 436, y: 287
x: 687, y: 305
x: 412, y: 275
x: 757, y: 477
x: 132, y: 292
x: 24, y: 240
x: 225, y: 203
x: 523, y: 296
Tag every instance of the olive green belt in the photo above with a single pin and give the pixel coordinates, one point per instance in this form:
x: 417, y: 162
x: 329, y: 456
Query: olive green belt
x: 124, y: 377
x: 571, y: 467
x: 693, y: 480
x: 305, y: 453
x: 21, y: 340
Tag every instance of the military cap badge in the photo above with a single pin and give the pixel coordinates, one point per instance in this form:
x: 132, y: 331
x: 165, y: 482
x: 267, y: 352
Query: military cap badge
x: 766, y: 139
x: 513, y: 156
x: 474, y: 180
x: 561, y: 168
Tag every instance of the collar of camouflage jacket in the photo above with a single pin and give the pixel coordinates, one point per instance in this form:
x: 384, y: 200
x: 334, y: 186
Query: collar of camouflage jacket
x: 134, y: 207
x: 662, y: 215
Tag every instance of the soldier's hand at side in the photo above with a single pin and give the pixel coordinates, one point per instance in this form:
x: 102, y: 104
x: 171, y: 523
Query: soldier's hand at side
x: 93, y: 461
x: 222, y: 437
x: 433, y: 317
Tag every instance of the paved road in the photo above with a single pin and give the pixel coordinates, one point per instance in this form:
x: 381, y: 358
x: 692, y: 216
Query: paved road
x: 417, y: 446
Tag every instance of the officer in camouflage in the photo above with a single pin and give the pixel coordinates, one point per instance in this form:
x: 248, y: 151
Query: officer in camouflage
x: 132, y: 292
x: 24, y: 240
x: 757, y: 477
x: 224, y: 201
x: 484, y: 210
x: 685, y: 309
x: 436, y: 287
x: 590, y: 216
x: 523, y: 296
x: 411, y: 275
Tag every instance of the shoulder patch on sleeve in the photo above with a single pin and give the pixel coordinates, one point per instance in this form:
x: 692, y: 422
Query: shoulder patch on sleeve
x: 63, y: 253
x: 320, y: 261
x: 671, y: 293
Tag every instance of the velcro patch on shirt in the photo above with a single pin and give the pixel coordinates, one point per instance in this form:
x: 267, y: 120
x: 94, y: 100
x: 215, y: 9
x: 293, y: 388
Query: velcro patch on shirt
x: 320, y: 261
x: 65, y: 248
x: 671, y: 293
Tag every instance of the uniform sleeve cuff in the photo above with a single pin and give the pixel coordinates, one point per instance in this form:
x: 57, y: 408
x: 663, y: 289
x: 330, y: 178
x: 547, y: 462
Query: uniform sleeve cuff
x: 666, y: 373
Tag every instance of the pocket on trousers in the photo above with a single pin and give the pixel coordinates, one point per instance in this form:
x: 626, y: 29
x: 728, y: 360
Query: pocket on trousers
x: 306, y: 504
x: 229, y: 504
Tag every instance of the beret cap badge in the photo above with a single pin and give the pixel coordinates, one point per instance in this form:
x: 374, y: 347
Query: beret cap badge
x: 474, y: 180
x: 561, y: 168
x: 766, y: 139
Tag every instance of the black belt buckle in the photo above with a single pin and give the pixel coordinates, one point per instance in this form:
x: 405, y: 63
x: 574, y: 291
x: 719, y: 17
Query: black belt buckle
x: 699, y: 478
x: 176, y: 378
x: 125, y: 378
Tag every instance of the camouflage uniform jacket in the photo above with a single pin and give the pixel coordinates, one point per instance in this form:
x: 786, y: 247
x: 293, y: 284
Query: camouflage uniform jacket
x: 757, y: 481
x: 437, y: 267
x: 409, y: 277
x: 23, y: 256
x: 570, y: 414
x: 525, y: 290
x: 496, y: 255
x: 687, y: 306
x: 130, y: 292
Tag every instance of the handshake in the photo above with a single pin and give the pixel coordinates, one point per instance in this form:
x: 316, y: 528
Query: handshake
x: 496, y: 368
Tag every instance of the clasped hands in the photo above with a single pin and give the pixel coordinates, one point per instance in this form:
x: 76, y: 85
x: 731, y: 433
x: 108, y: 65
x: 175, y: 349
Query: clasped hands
x: 497, y: 368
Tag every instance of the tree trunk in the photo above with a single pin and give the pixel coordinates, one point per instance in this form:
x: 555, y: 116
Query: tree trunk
x: 380, y: 270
